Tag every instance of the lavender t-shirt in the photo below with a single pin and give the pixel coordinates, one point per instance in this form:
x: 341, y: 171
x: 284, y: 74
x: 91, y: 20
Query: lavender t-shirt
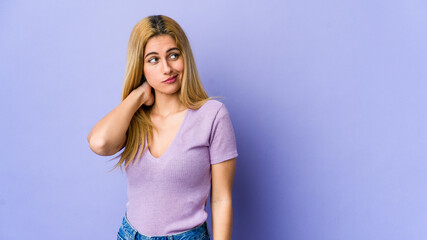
x: 168, y: 195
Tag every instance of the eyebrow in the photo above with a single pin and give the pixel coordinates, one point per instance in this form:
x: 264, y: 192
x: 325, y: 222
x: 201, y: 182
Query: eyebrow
x: 158, y: 53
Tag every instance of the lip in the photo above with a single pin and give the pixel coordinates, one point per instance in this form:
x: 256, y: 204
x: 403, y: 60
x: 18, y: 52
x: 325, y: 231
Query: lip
x: 171, y: 79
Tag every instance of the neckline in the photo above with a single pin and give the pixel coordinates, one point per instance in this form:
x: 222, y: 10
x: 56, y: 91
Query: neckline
x: 172, y: 143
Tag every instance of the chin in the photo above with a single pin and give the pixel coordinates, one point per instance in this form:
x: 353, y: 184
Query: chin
x: 170, y: 92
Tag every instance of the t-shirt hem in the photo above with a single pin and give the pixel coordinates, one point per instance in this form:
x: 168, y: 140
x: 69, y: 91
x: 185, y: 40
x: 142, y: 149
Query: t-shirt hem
x: 224, y: 158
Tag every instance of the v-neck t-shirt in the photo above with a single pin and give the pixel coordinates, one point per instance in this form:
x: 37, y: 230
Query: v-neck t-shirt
x: 168, y: 195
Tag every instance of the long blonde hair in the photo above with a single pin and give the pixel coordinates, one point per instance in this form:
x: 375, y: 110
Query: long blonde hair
x: 191, y: 94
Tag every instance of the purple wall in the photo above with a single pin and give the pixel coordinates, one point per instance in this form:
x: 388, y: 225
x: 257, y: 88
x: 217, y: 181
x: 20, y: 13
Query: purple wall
x: 328, y: 101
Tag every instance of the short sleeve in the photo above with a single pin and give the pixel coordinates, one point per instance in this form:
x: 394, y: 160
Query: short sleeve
x: 222, y: 139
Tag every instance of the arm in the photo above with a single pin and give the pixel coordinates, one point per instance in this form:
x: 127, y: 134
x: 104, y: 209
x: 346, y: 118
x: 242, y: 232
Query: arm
x: 221, y: 199
x: 108, y: 136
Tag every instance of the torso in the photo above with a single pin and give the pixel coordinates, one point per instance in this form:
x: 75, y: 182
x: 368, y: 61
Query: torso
x: 167, y: 130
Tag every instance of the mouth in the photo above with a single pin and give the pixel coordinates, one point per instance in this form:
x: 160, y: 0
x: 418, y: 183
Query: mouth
x: 171, y: 78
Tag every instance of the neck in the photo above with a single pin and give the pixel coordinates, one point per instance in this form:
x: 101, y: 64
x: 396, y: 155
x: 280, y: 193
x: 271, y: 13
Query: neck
x: 167, y: 104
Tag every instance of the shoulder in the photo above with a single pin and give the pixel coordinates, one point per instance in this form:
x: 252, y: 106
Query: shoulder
x: 216, y: 110
x: 211, y: 106
x: 209, y: 111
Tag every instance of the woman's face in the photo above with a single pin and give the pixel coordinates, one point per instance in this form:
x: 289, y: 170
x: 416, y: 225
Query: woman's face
x: 163, y: 60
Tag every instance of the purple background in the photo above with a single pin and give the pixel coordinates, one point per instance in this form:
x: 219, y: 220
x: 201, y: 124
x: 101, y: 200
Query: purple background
x: 327, y: 98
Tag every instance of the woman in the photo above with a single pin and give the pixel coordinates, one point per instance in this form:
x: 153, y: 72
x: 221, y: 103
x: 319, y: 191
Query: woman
x: 189, y: 143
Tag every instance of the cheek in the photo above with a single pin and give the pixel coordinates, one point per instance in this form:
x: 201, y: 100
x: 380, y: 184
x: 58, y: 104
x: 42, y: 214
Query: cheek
x: 149, y: 73
x: 180, y: 66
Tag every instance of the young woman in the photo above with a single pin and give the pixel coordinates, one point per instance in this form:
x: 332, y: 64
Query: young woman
x: 189, y: 147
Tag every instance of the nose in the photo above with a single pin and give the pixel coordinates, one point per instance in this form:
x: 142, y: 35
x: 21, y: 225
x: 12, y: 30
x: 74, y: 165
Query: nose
x: 166, y: 67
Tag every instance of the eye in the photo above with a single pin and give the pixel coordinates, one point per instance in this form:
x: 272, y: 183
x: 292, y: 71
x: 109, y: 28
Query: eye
x: 153, y: 60
x: 174, y: 55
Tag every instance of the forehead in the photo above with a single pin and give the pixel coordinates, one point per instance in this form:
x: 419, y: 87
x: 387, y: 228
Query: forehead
x: 160, y: 43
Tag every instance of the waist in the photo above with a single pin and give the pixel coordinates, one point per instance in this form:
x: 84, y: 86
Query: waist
x: 127, y: 230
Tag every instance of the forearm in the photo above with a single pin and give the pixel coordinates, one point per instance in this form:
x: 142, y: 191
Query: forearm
x: 222, y: 219
x: 109, y: 133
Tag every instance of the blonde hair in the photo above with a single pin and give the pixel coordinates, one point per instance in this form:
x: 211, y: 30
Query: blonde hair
x: 191, y: 94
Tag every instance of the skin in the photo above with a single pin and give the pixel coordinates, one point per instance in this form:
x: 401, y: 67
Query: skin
x: 161, y: 61
x: 221, y: 199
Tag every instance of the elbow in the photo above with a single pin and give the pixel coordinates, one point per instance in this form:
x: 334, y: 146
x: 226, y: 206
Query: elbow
x: 100, y: 146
